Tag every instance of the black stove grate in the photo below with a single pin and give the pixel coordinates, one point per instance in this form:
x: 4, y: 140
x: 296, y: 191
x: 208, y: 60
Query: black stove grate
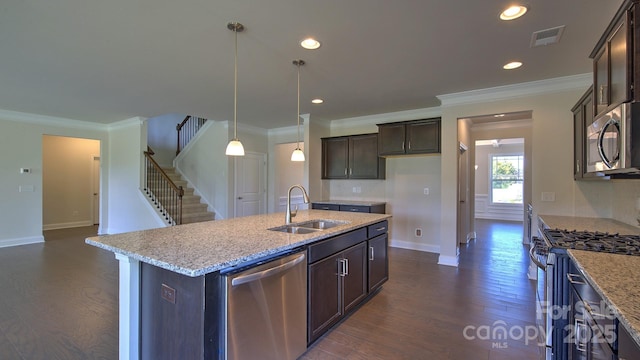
x: 594, y: 241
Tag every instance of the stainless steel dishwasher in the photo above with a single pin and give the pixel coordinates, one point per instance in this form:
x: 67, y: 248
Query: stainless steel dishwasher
x: 265, y: 310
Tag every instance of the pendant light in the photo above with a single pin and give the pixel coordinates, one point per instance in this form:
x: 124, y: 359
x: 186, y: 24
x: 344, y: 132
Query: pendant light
x: 235, y: 148
x: 297, y: 154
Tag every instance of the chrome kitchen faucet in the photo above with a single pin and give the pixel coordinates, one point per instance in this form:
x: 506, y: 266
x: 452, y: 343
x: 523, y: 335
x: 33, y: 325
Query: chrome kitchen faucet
x: 305, y: 197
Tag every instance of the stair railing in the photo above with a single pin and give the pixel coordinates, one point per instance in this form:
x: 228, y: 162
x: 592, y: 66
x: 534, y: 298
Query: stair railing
x: 187, y: 129
x: 163, y: 192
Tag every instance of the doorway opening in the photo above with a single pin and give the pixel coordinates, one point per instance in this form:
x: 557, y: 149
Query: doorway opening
x: 70, y: 182
x: 499, y: 169
x: 287, y: 173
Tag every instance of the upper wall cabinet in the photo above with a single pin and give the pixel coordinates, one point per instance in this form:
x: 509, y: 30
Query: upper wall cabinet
x: 352, y: 157
x: 409, y: 137
x: 582, y: 115
x: 615, y: 71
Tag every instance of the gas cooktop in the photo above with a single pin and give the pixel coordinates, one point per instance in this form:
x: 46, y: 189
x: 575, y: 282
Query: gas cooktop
x: 594, y: 241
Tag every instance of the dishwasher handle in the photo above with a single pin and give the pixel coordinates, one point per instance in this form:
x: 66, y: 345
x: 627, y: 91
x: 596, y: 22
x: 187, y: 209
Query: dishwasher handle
x: 268, y: 272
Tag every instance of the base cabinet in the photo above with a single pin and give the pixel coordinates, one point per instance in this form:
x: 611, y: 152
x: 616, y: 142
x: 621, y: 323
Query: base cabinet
x: 378, y: 261
x: 343, y: 272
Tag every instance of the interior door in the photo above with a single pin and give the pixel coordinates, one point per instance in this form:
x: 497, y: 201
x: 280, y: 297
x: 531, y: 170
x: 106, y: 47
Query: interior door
x: 250, y: 184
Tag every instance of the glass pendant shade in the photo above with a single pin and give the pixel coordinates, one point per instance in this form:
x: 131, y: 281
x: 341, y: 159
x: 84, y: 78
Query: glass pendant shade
x: 297, y: 155
x: 235, y: 148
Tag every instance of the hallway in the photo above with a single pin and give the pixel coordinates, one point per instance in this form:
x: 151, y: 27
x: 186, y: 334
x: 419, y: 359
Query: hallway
x: 60, y: 302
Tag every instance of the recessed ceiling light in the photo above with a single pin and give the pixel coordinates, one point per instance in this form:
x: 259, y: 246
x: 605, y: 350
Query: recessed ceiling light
x: 317, y: 101
x: 513, y: 12
x: 310, y: 43
x: 498, y: 115
x: 512, y: 65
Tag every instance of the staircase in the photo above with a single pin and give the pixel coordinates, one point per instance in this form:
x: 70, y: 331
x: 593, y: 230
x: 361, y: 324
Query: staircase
x: 192, y: 209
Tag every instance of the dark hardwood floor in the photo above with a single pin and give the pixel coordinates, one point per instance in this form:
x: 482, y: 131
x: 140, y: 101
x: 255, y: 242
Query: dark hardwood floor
x: 59, y: 301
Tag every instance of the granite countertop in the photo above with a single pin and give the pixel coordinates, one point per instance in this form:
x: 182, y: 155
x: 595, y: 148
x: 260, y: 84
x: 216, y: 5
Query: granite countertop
x: 588, y: 224
x: 617, y: 279
x: 350, y: 202
x: 200, y: 248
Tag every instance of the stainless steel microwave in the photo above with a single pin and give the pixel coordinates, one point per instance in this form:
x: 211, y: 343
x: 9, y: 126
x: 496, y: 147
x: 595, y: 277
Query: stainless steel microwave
x: 610, y: 140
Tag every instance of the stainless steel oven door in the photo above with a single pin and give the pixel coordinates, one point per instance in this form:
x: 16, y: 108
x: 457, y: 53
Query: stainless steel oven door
x: 607, y: 140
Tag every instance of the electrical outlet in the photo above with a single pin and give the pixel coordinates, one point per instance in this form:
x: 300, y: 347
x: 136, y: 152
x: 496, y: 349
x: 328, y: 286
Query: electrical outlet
x: 426, y: 191
x: 548, y: 196
x: 168, y: 293
x: 418, y: 232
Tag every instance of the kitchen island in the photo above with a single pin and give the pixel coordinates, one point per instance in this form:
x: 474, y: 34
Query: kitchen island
x: 616, y: 278
x: 203, y: 250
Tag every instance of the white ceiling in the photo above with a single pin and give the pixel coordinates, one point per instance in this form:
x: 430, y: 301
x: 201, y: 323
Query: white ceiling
x: 105, y: 61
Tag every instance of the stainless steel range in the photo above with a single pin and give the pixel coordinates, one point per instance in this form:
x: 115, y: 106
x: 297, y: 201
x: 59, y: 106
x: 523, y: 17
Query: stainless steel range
x: 549, y: 253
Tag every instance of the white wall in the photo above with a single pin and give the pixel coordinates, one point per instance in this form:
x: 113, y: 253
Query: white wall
x: 67, y: 166
x: 127, y: 207
x: 403, y: 188
x: 21, y: 135
x: 162, y: 137
x: 204, y: 164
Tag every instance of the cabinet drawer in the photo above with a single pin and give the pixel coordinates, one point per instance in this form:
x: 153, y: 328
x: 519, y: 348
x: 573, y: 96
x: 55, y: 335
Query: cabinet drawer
x: 334, y: 207
x: 355, y: 208
x: 322, y: 249
x: 377, y: 229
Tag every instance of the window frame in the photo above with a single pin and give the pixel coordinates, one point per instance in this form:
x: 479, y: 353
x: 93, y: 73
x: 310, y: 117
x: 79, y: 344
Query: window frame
x: 521, y: 177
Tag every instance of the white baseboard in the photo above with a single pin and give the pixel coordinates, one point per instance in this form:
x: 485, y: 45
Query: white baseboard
x: 67, y: 225
x: 449, y: 260
x: 21, y: 241
x: 414, y: 246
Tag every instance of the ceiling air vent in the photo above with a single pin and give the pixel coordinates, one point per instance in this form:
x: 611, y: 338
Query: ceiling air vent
x: 546, y: 37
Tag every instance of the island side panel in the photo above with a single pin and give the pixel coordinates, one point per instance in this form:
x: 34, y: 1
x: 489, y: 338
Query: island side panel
x: 129, y: 303
x: 172, y: 315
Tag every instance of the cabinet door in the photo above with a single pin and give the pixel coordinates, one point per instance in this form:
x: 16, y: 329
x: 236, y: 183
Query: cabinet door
x: 423, y: 137
x: 391, y: 139
x: 325, y: 293
x: 355, y: 278
x: 363, y: 157
x: 378, y: 261
x: 618, y: 60
x: 334, y: 158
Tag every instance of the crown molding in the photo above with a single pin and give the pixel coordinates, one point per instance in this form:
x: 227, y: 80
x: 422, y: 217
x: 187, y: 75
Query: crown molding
x: 50, y: 120
x: 134, y: 121
x: 387, y: 117
x: 581, y: 81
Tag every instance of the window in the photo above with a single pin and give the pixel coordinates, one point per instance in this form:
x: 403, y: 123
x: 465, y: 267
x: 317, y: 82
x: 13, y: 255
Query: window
x: 507, y: 179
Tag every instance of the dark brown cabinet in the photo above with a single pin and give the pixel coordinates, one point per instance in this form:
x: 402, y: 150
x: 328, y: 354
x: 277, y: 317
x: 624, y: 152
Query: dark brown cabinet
x: 378, y: 258
x: 376, y: 208
x: 352, y: 157
x: 378, y: 261
x: 614, y: 69
x: 409, y: 137
x: 344, y: 271
x: 337, y: 283
x: 582, y: 115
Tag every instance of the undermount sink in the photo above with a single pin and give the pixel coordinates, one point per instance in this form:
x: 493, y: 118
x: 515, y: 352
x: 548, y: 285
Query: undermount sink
x: 308, y: 227
x: 321, y: 224
x: 292, y: 229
